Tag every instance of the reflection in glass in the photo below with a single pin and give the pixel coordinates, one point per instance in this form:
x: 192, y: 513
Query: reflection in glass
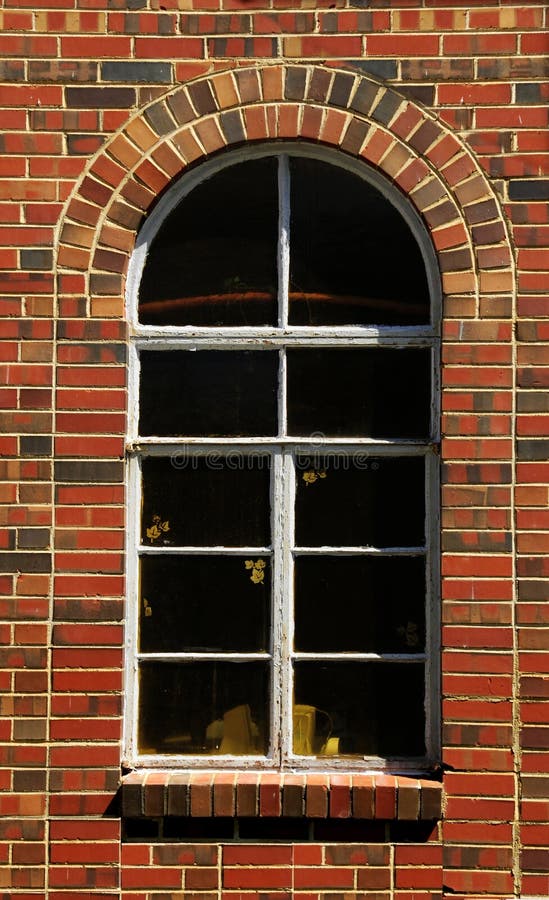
x: 187, y: 602
x: 378, y: 393
x: 359, y: 709
x: 208, y: 393
x: 365, y: 604
x: 203, y: 707
x: 213, y: 261
x: 353, y: 257
x: 215, y: 500
x: 356, y: 501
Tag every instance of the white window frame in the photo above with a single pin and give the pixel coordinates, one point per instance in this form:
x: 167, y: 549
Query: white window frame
x: 283, y: 448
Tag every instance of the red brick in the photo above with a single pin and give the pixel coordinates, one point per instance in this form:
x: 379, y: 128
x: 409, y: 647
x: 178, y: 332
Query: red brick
x: 257, y: 877
x: 402, y: 45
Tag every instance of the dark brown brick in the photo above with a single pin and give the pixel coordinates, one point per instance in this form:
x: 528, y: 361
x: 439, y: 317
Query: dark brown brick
x: 432, y: 192
x: 425, y: 135
x: 154, y: 799
x: 132, y: 800
x: 25, y: 562
x: 89, y: 472
x: 483, y: 211
x: 455, y: 260
x: 246, y: 799
x: 107, y: 285
x: 386, y: 107
x: 224, y: 796
x: 202, y: 98
x: 125, y: 215
x: 421, y: 93
x: 364, y: 97
x: 33, y: 538
x: 535, y: 860
x: 489, y: 233
x: 100, y: 97
x: 293, y: 799
x: 232, y: 126
x: 319, y: 85
x: 159, y: 118
x: 355, y: 136
x: 35, y: 445
x: 12, y: 69
x: 181, y: 108
x: 341, y: 89
x: 440, y: 214
x: 30, y: 730
x: 535, y: 686
x: 29, y: 780
x: 294, y: 88
x: 248, y: 85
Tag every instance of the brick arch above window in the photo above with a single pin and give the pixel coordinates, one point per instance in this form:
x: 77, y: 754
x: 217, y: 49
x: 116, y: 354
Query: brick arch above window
x: 336, y: 108
x: 463, y: 215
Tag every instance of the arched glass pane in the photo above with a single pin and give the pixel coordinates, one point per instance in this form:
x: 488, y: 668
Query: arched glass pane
x: 214, y: 259
x: 353, y: 257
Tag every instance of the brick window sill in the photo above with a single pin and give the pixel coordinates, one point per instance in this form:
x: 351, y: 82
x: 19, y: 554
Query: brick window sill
x: 229, y: 794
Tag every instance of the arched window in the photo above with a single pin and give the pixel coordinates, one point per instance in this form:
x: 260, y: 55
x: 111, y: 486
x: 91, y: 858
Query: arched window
x: 283, y: 467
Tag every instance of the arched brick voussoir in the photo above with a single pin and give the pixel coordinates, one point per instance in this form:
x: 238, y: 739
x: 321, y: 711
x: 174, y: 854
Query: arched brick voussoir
x: 337, y: 108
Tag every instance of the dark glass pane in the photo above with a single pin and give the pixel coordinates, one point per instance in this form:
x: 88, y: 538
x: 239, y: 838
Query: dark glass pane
x: 379, y: 393
x: 358, y: 501
x: 214, y: 260
x: 369, y: 605
x: 353, y: 257
x: 360, y: 709
x: 208, y: 393
x: 203, y: 707
x: 206, y: 501
x: 204, y: 603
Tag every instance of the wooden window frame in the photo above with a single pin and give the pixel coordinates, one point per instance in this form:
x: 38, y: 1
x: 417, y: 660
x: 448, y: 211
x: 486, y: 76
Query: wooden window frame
x: 282, y: 448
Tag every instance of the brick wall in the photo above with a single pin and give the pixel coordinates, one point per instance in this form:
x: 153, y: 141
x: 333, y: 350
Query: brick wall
x: 102, y: 105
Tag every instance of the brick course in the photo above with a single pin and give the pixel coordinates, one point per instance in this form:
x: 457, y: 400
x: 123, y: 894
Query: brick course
x: 101, y: 109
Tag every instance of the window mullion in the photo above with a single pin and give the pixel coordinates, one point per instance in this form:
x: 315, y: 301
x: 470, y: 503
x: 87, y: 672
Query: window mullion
x: 283, y: 394
x: 132, y: 614
x: 282, y: 602
x: 283, y: 259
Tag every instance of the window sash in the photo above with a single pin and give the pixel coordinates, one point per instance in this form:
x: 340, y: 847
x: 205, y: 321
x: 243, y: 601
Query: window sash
x: 282, y: 657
